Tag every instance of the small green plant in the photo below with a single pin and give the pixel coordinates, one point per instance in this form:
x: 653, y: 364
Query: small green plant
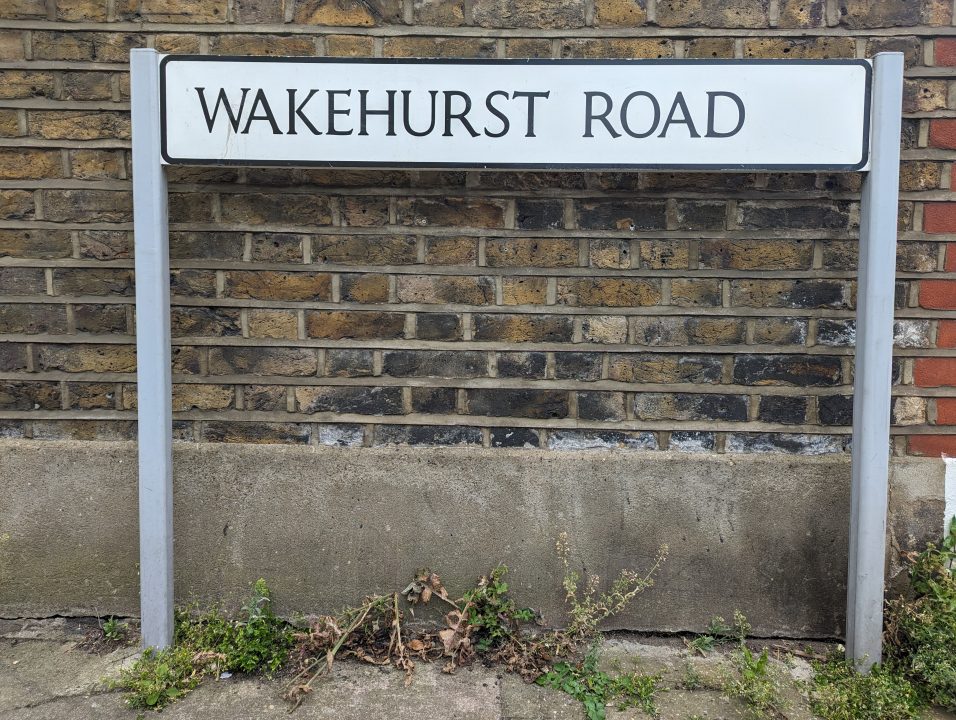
x: 921, y: 630
x: 595, y: 689
x: 492, y: 614
x: 839, y: 692
x: 257, y: 641
x: 755, y: 682
x: 211, y: 643
x: 114, y: 630
x: 160, y: 677
x: 719, y: 631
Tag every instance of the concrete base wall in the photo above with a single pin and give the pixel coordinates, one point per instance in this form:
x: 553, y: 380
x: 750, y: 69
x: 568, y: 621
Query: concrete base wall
x: 763, y: 533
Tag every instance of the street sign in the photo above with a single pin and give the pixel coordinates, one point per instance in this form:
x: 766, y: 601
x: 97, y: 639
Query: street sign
x: 797, y: 115
x: 545, y: 114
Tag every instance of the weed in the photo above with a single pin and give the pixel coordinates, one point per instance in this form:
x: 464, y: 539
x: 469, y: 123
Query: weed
x: 719, y: 631
x: 921, y: 631
x: 114, y: 630
x: 492, y: 613
x: 755, y: 682
x: 257, y: 641
x: 692, y: 679
x: 586, y: 607
x: 107, y: 636
x: 595, y: 689
x: 159, y: 677
x: 839, y: 692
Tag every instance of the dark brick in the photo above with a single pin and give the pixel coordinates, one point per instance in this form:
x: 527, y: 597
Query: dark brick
x: 434, y: 400
x: 92, y: 281
x: 265, y: 397
x: 759, y: 215
x: 542, y: 404
x: 783, y: 409
x: 515, y: 437
x: 45, y: 244
x: 87, y: 206
x: 786, y: 443
x: 360, y: 400
x: 256, y: 432
x: 194, y: 207
x: 22, y: 281
x: 836, y: 332
x: 92, y: 396
x: 342, y: 435
x: 578, y: 365
x: 366, y: 288
x: 193, y: 283
x: 365, y: 249
x: 32, y: 319
x: 287, y: 209
x: 106, y: 244
x: 438, y: 326
x: 628, y: 215
x: 601, y: 440
x: 205, y: 322
x: 687, y: 406
x: 607, y: 406
x: 835, y: 409
x: 206, y: 245
x: 523, y: 328
x: 539, y: 214
x: 802, y: 370
x: 348, y: 363
x: 17, y: 395
x: 521, y: 364
x: 701, y: 215
x: 425, y: 363
x: 451, y: 212
x: 790, y: 293
x: 262, y: 361
x: 100, y: 318
x: 427, y: 435
x: 692, y: 441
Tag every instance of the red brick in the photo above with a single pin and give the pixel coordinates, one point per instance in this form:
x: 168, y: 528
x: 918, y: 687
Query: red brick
x: 946, y: 411
x: 932, y: 445
x: 939, y: 217
x: 942, y: 133
x: 951, y: 257
x: 935, y: 372
x: 938, y: 294
x: 946, y: 337
x: 944, y: 51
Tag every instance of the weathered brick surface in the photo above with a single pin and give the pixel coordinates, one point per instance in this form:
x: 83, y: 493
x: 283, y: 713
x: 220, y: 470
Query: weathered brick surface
x: 640, y: 304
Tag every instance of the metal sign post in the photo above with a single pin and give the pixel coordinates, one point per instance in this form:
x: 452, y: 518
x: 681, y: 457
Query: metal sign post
x: 153, y: 355
x: 841, y: 115
x: 872, y: 379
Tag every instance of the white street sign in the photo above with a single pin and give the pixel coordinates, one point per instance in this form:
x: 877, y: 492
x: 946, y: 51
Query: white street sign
x: 653, y: 114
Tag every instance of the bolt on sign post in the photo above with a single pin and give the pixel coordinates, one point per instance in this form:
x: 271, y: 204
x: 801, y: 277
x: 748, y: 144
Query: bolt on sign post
x: 715, y: 115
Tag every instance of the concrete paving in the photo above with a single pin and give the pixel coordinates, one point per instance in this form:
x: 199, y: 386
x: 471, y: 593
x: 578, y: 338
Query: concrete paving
x: 45, y: 675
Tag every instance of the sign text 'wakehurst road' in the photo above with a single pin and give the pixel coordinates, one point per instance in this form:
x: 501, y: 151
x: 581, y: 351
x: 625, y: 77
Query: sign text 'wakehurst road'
x: 726, y: 114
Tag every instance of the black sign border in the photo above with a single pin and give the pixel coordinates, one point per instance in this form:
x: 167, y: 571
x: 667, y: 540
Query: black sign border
x: 513, y: 166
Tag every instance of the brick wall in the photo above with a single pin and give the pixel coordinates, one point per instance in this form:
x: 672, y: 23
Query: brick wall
x: 695, y: 312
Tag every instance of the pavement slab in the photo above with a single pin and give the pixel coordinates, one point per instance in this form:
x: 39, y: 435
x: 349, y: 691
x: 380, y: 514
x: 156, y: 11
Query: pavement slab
x: 45, y: 674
